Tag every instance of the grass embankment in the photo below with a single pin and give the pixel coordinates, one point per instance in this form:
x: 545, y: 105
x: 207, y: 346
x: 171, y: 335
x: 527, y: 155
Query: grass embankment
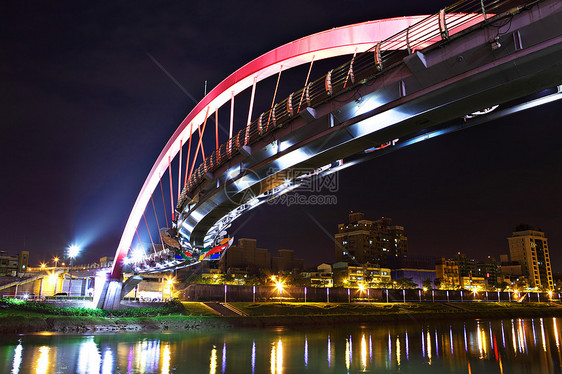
x: 17, y: 316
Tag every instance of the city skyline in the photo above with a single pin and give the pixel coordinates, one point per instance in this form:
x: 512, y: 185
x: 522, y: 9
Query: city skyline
x: 88, y: 111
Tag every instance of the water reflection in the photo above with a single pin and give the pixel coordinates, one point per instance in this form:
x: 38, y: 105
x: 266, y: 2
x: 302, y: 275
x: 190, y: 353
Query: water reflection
x: 89, y: 359
x: 329, y: 355
x: 223, y: 358
x: 107, y: 367
x: 17, y: 359
x: 253, y: 363
x: 510, y: 346
x: 213, y: 364
x: 305, y: 351
x: 166, y: 357
x: 277, y: 357
x: 363, y: 352
x: 43, y: 361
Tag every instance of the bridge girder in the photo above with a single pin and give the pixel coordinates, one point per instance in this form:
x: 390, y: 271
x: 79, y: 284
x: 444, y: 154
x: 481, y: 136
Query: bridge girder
x: 426, y: 89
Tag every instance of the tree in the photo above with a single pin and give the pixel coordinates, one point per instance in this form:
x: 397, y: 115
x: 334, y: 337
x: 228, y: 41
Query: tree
x: 298, y: 280
x: 437, y: 282
x: 503, y: 286
x: 405, y: 283
x: 253, y: 280
x: 226, y: 278
x: 521, y: 284
x: 386, y: 283
x: 427, y: 284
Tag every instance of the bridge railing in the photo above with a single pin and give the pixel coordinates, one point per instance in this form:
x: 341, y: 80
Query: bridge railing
x: 439, y: 27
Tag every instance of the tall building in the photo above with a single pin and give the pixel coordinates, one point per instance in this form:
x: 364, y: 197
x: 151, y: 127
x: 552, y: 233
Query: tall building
x: 418, y: 268
x: 246, y: 256
x: 286, y: 262
x: 447, y: 271
x: 529, y: 247
x: 13, y: 265
x: 362, y: 241
x: 489, y: 269
x: 346, y: 275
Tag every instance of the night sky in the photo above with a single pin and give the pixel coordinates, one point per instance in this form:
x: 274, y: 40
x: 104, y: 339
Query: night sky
x: 88, y: 103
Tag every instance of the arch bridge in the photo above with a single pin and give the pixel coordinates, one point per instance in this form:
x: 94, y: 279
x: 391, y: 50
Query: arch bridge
x: 406, y: 80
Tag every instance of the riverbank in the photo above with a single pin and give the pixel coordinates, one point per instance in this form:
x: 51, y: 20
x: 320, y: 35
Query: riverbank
x: 195, y: 316
x: 321, y: 314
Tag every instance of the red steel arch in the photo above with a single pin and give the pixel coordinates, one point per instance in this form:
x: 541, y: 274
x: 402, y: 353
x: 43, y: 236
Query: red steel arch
x: 330, y: 43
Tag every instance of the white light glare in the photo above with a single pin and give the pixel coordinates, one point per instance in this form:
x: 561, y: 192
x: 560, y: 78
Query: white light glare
x: 73, y: 251
x: 137, y: 255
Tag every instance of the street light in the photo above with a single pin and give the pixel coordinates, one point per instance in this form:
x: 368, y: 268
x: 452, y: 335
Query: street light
x: 73, y: 251
x: 279, y: 285
x: 171, y: 282
x: 55, y: 260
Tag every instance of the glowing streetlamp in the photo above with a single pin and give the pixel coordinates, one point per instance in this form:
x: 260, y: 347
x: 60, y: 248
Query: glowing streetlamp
x: 55, y: 260
x: 73, y: 251
x: 171, y: 282
x: 279, y: 286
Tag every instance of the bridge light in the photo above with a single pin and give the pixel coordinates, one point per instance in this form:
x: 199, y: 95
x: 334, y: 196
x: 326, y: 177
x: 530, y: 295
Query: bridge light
x: 233, y: 173
x: 137, y: 255
x: 254, y: 201
x: 495, y: 43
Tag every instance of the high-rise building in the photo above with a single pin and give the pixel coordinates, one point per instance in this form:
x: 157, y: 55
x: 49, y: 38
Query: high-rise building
x: 362, y: 241
x: 489, y: 269
x: 285, y: 261
x: 447, y: 271
x: 529, y: 247
x: 246, y: 256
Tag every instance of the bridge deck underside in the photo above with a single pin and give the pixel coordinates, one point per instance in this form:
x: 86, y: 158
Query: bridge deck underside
x: 424, y: 90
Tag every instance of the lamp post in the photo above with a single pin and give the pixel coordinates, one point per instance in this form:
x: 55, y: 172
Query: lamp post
x: 73, y: 251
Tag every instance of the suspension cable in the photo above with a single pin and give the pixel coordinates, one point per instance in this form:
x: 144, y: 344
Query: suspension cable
x: 250, y: 110
x: 231, y: 114
x: 188, y: 154
x: 157, y: 223
x: 138, y: 236
x: 350, y: 71
x: 198, y: 145
x: 201, y: 135
x: 306, y: 82
x: 149, y: 234
x: 163, y: 202
x: 179, y: 172
x: 217, y: 126
x: 171, y: 187
x: 274, y: 95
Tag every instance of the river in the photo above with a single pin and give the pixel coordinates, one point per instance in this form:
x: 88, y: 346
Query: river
x: 472, y: 346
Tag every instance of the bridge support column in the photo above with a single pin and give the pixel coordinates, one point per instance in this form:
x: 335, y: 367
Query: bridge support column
x: 109, y: 294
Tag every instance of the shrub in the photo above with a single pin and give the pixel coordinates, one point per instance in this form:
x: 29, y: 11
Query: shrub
x: 173, y: 306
